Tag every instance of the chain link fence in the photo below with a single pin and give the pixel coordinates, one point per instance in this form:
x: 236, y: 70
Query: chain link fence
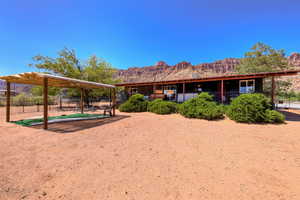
x: 28, y: 104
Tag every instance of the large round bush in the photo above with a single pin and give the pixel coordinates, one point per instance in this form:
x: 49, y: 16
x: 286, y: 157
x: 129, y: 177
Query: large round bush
x: 253, y: 108
x: 136, y: 103
x: 202, y: 107
x: 159, y: 106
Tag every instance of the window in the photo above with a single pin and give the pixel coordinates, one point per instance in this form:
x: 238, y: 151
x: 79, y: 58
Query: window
x: 247, y: 86
x: 134, y: 90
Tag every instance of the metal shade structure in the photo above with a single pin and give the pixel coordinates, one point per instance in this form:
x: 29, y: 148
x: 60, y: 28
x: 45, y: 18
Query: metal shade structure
x: 35, y: 78
x: 46, y: 80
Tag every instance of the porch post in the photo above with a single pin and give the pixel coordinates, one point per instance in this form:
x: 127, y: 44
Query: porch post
x: 114, y: 101
x: 222, y: 91
x: 183, y: 92
x: 7, y: 101
x: 81, y: 101
x: 110, y: 97
x: 273, y: 92
x: 45, y: 103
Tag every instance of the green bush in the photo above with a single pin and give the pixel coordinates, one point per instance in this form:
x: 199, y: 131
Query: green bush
x: 202, y: 107
x: 38, y: 100
x: 252, y: 108
x: 27, y: 100
x: 273, y: 116
x: 21, y: 100
x: 159, y: 106
x: 136, y: 103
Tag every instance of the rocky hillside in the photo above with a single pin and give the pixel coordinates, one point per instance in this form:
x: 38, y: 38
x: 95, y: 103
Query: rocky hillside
x: 163, y: 71
x: 19, y: 88
x: 294, y: 60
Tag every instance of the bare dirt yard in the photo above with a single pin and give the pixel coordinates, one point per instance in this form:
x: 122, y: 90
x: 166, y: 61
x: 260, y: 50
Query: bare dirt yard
x: 147, y: 156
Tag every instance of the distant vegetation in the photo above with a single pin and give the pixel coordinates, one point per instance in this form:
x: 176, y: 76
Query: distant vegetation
x: 28, y: 100
x: 289, y: 95
x: 24, y: 99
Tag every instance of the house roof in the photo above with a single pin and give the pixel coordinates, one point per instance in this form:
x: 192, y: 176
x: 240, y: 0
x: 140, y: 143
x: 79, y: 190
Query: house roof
x: 35, y: 78
x: 214, y: 78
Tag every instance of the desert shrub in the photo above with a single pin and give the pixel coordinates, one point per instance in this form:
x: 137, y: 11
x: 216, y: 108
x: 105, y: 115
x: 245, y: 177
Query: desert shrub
x: 273, y: 116
x: 202, y: 107
x: 159, y: 106
x: 251, y: 108
x: 21, y: 100
x: 38, y: 100
x: 224, y: 108
x: 51, y: 100
x: 136, y: 103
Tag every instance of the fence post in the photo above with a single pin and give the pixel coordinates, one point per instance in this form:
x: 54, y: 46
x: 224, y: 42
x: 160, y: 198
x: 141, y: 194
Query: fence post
x: 45, y: 103
x: 273, y: 92
x: 7, y: 101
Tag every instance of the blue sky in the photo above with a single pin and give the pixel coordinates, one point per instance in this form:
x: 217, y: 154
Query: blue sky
x: 139, y: 33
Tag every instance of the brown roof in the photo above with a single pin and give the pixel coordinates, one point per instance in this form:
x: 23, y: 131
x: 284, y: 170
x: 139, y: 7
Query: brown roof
x: 35, y: 78
x: 215, y: 78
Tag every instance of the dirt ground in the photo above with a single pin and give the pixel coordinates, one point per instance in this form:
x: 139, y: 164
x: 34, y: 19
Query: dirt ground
x: 147, y: 156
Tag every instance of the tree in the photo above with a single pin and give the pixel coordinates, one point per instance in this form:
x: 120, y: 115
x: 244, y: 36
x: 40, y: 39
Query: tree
x: 67, y: 64
x: 264, y: 58
x: 38, y: 91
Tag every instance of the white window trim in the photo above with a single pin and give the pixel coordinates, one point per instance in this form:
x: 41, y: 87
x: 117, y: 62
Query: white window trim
x: 247, y: 85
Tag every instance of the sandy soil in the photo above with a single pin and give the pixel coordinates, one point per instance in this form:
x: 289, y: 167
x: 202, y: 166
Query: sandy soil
x: 148, y: 156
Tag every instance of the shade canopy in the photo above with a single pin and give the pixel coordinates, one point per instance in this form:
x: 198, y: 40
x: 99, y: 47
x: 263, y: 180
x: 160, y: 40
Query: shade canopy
x: 35, y: 78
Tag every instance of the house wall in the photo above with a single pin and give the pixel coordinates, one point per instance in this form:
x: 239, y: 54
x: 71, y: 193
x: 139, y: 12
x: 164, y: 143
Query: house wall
x: 231, y: 89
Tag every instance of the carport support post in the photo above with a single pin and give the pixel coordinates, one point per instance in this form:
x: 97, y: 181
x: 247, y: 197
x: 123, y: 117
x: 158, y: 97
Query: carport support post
x: 114, y: 101
x: 81, y: 101
x: 110, y: 97
x: 183, y: 92
x: 7, y: 101
x: 222, y: 91
x: 45, y: 103
x: 273, y: 92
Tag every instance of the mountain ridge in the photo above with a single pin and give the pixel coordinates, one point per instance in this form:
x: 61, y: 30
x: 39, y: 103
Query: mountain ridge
x: 184, y: 70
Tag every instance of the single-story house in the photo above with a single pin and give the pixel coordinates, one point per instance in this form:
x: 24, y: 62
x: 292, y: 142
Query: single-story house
x: 223, y: 88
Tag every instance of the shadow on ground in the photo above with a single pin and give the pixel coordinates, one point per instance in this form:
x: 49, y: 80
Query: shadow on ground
x: 291, y: 116
x: 69, y: 127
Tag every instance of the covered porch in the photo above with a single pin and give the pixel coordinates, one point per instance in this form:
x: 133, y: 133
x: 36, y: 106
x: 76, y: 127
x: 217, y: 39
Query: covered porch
x: 223, y: 88
x: 223, y: 91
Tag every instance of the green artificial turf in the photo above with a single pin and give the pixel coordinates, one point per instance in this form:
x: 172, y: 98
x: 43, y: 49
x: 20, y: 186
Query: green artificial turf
x: 29, y: 122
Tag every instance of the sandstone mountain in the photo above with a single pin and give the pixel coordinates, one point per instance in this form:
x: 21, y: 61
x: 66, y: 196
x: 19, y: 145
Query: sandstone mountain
x: 163, y: 71
x: 19, y: 88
